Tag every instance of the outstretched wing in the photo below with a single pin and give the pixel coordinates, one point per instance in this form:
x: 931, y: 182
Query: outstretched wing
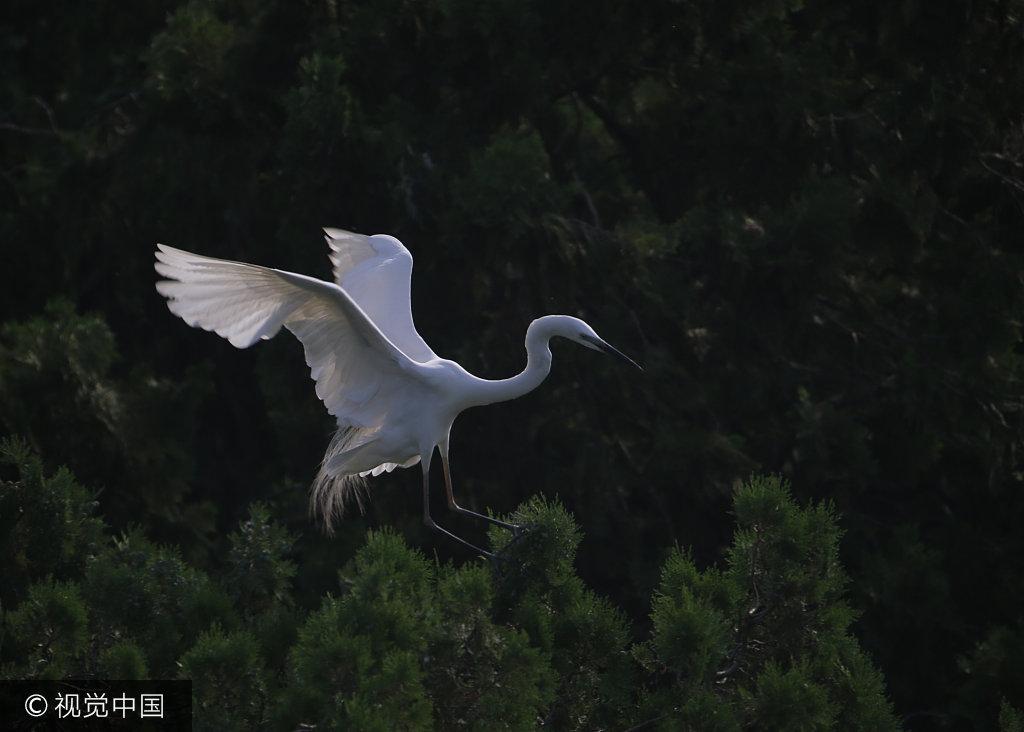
x: 359, y: 372
x: 376, y: 271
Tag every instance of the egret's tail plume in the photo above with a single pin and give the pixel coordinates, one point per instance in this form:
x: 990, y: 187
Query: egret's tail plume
x: 331, y: 492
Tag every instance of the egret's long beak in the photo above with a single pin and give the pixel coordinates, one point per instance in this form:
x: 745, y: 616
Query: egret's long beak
x: 600, y: 345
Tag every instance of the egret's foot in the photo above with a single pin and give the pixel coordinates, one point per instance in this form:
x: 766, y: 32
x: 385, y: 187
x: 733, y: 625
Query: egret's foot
x: 514, y: 528
x: 506, y: 561
x: 518, y: 534
x: 499, y: 561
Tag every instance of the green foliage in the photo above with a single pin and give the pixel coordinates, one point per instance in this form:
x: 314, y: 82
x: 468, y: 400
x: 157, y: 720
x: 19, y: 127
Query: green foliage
x: 47, y: 523
x: 189, y: 60
x: 50, y: 627
x: 803, y: 219
x: 407, y: 643
x: 63, y: 360
x: 60, y: 391
x: 691, y: 629
x: 147, y: 593
x: 483, y: 674
x: 259, y: 575
x: 392, y: 697
x: 768, y: 639
x: 787, y: 700
x: 513, y: 644
x: 509, y: 179
x: 788, y: 560
x: 320, y: 111
x: 544, y: 555
x: 1010, y: 719
x: 228, y: 680
x: 994, y: 670
x: 585, y: 637
x: 352, y: 656
x: 122, y: 660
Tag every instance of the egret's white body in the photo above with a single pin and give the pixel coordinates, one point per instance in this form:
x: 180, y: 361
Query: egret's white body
x: 393, y: 398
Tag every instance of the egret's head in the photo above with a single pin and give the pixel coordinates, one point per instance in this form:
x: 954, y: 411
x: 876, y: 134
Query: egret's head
x: 578, y: 331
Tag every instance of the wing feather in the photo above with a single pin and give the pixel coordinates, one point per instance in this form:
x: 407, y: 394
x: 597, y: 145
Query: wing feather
x: 376, y: 271
x: 359, y: 372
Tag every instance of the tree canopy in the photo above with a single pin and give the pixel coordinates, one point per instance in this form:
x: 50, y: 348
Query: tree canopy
x: 804, y: 219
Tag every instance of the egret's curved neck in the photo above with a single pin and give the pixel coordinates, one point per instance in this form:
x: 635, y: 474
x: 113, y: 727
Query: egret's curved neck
x: 538, y: 366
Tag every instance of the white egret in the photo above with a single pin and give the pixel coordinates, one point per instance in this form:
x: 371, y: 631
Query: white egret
x: 393, y: 398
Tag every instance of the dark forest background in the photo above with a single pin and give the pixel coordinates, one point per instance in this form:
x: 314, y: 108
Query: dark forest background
x: 803, y: 218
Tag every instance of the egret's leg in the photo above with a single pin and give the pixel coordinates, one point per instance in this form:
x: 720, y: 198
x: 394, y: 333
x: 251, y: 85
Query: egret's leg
x: 465, y: 511
x: 430, y: 522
